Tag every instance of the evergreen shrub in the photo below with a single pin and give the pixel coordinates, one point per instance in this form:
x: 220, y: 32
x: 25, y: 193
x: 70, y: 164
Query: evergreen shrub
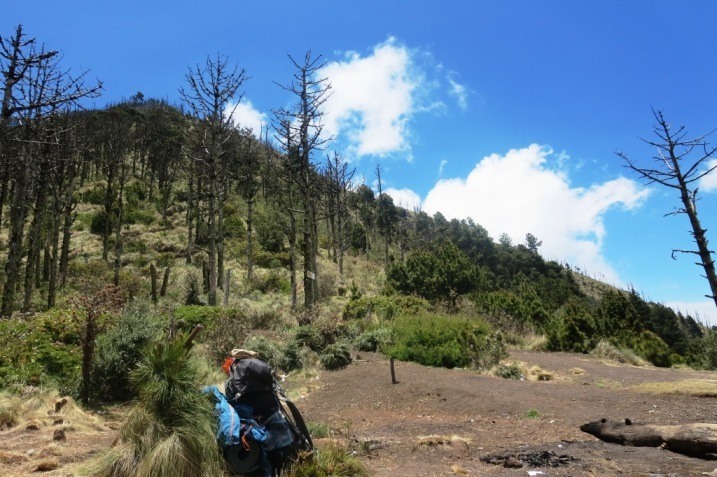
x: 445, y: 341
x: 119, y: 350
x: 335, y: 356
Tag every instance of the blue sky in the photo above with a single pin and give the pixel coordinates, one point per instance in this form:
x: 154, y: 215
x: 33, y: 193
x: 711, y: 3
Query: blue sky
x: 506, y: 111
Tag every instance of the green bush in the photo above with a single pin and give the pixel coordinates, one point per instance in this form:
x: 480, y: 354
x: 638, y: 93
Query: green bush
x: 273, y: 281
x: 649, y: 346
x: 192, y: 293
x: 34, y: 353
x: 447, y: 341
x: 286, y: 357
x: 335, y: 356
x: 509, y: 371
x: 310, y: 337
x: 135, y: 193
x: 95, y: 196
x: 265, y: 259
x: 139, y: 216
x: 189, y: 316
x: 385, y: 307
x: 98, y: 223
x: 373, y: 340
x: 225, y: 334
x: 120, y: 349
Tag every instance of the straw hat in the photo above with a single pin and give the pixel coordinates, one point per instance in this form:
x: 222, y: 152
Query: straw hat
x: 238, y: 353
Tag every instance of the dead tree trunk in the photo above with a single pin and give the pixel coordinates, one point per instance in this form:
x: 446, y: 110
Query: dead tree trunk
x: 695, y: 439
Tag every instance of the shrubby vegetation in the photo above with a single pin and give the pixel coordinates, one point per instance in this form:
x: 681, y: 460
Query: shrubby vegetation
x: 109, y: 195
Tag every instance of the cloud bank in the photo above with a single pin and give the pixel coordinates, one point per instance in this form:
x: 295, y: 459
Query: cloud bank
x: 405, y: 198
x: 527, y: 191
x: 246, y: 116
x: 372, y: 99
x: 709, y: 182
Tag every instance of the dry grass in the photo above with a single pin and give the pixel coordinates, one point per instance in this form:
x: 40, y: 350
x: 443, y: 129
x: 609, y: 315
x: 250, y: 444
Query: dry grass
x: 577, y: 371
x: 37, y: 409
x: 689, y: 387
x: 536, y: 373
x: 610, y: 353
x: 435, y: 440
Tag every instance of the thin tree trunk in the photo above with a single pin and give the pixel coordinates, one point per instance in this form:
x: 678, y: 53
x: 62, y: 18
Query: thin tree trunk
x: 249, y: 242
x: 34, y: 242
x: 191, y: 213
x: 212, y: 259
x: 18, y: 211
x: 68, y: 220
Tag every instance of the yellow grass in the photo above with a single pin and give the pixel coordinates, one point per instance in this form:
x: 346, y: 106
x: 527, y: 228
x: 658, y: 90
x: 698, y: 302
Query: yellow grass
x: 442, y: 440
x: 690, y: 387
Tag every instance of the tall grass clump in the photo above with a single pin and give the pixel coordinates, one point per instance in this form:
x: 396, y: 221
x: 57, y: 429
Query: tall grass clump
x: 332, y: 460
x: 170, y: 430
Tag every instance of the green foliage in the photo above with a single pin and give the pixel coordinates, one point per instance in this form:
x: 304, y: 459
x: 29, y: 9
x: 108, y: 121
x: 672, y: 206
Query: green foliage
x: 650, y: 347
x: 234, y: 227
x: 447, y: 341
x: 95, y: 196
x: 271, y: 282
x: 441, y: 274
x: 98, y: 223
x: 373, y: 340
x: 265, y: 259
x: 38, y: 350
x: 139, y: 216
x: 282, y: 357
x: 271, y: 228
x: 134, y: 193
x: 189, y: 316
x: 509, y: 371
x: 335, y: 356
x: 385, y: 307
x: 192, y: 289
x: 120, y: 349
x: 170, y: 430
x: 330, y: 461
x: 572, y: 329
x: 705, y: 354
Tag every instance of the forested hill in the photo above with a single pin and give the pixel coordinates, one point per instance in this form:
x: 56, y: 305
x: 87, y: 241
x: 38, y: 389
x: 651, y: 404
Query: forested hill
x: 122, y: 194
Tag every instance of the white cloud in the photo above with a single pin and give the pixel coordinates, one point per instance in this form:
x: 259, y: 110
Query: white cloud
x: 701, y: 310
x: 441, y: 166
x: 524, y: 192
x: 245, y: 116
x: 405, y: 198
x: 373, y: 99
x: 460, y: 92
x: 709, y: 182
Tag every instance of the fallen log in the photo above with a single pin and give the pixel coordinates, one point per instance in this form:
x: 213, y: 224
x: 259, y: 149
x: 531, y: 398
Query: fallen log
x: 694, y: 439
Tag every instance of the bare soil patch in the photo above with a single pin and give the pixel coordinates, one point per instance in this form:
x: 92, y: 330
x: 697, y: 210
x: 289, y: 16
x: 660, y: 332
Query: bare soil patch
x: 505, y: 427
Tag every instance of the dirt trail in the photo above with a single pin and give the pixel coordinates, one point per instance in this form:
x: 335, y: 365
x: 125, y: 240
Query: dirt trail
x: 534, y: 422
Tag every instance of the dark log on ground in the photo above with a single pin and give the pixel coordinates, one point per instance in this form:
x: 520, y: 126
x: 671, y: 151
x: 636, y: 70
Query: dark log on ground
x: 694, y: 439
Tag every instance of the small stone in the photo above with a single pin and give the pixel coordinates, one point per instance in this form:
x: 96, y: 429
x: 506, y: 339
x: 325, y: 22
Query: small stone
x: 59, y: 435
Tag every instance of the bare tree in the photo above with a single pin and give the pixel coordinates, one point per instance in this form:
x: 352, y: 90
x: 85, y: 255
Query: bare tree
x: 340, y: 178
x: 304, y: 122
x: 247, y: 169
x: 681, y: 164
x: 211, y: 91
x: 34, y: 88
